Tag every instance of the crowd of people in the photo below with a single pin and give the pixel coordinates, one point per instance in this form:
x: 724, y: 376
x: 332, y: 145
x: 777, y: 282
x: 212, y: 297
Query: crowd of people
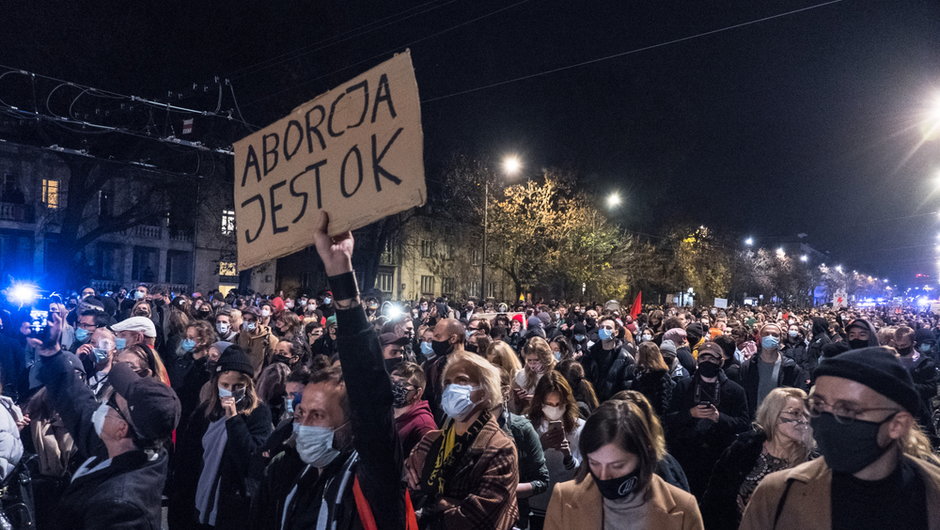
x: 289, y: 412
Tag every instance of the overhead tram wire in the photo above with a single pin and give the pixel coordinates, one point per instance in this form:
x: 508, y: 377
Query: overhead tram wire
x: 168, y: 107
x: 387, y: 52
x: 364, y: 29
x: 629, y: 52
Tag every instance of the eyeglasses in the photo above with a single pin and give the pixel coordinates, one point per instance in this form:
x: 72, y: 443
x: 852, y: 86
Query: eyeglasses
x: 113, y: 404
x: 844, y: 415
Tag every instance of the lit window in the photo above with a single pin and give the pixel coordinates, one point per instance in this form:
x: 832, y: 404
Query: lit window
x: 227, y: 268
x: 228, y: 222
x: 50, y: 193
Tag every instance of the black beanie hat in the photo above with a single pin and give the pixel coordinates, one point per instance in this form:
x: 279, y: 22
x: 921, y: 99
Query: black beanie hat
x: 234, y: 359
x: 878, y: 369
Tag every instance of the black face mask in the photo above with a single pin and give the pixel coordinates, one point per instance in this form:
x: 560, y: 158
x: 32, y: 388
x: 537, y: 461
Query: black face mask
x: 848, y: 448
x: 441, y: 347
x: 708, y: 369
x: 472, y: 348
x: 855, y: 344
x: 400, y: 395
x: 906, y: 351
x: 282, y: 359
x: 617, y: 488
x: 392, y: 364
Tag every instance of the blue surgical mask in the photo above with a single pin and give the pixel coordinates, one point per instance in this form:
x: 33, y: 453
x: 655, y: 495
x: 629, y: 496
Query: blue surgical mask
x: 249, y: 326
x: 100, y: 355
x: 187, y: 345
x: 82, y: 334
x: 238, y: 393
x: 769, y: 342
x: 456, y: 402
x: 579, y: 338
x: 138, y: 295
x: 924, y: 348
x: 120, y: 343
x: 327, y: 301
x: 557, y: 355
x: 315, y: 445
x: 605, y: 334
x: 793, y: 333
x: 427, y: 349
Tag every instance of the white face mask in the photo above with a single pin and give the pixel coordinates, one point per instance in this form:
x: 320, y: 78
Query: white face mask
x: 456, y: 402
x: 222, y: 327
x: 265, y: 313
x: 97, y: 418
x: 553, y: 413
x: 315, y: 445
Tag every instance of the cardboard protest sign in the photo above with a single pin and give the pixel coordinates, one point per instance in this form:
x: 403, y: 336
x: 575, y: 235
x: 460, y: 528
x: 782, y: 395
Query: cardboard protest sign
x: 355, y: 151
x: 721, y: 303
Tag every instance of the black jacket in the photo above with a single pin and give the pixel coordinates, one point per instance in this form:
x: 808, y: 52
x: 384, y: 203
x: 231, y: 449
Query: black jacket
x: 124, y: 495
x: 610, y: 371
x: 376, y: 461
x: 799, y: 352
x: 820, y: 340
x: 720, y: 503
x: 790, y: 374
x: 697, y: 443
x: 238, y: 482
x: 657, y: 387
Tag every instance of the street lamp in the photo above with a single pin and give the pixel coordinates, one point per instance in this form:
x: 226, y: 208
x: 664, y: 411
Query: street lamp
x: 614, y: 200
x: 511, y: 166
x: 804, y: 258
x: 839, y: 269
x: 749, y: 241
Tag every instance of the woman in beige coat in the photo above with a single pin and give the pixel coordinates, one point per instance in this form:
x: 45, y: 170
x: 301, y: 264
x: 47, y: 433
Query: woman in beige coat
x: 616, y: 487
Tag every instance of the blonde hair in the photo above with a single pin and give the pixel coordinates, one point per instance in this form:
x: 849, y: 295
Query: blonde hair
x: 480, y: 370
x: 916, y: 444
x: 540, y: 347
x: 767, y: 419
x: 503, y: 356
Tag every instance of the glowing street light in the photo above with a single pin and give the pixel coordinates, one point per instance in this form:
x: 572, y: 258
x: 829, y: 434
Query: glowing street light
x: 512, y: 165
x: 750, y: 241
x: 781, y: 253
x: 804, y: 258
x: 839, y: 268
x: 614, y: 200
x: 23, y: 293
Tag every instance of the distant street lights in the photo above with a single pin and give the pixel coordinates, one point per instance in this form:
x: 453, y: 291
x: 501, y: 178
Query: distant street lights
x: 804, y: 258
x: 749, y: 241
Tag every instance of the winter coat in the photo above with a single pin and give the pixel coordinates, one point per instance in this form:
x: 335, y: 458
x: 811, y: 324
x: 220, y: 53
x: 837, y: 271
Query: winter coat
x: 11, y: 447
x: 790, y: 374
x: 376, y: 461
x: 246, y: 436
x: 610, y: 371
x: 657, y: 387
x: 720, y: 503
x: 580, y: 505
x: 125, y: 494
x: 698, y: 443
x: 801, y: 498
x: 483, y: 486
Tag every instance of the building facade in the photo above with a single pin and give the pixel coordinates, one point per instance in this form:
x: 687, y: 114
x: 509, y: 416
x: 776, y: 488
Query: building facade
x: 185, y: 251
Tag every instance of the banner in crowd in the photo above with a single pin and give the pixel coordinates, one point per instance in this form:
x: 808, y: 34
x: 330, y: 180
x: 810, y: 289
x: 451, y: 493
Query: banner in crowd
x: 721, y: 303
x: 355, y: 151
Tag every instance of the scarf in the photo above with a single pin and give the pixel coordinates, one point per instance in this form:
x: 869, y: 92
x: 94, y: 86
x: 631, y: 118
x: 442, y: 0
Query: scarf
x: 450, y: 450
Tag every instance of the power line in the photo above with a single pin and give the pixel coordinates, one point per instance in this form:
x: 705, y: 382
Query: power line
x: 387, y: 52
x: 629, y: 52
x: 166, y: 106
x: 332, y: 41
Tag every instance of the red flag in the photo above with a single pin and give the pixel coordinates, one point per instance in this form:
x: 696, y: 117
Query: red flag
x: 637, y: 305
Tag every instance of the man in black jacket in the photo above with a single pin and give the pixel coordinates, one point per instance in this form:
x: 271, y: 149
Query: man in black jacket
x: 769, y: 369
x: 121, y: 482
x: 608, y: 365
x: 316, y: 480
x: 820, y: 339
x: 707, y: 411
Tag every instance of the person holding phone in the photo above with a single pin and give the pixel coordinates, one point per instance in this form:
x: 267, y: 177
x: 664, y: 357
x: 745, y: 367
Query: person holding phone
x: 706, y: 413
x: 223, y: 435
x: 555, y: 415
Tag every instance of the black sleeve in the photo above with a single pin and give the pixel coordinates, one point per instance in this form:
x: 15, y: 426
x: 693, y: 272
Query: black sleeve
x: 370, y: 397
x: 74, y: 401
x: 686, y: 360
x: 246, y: 436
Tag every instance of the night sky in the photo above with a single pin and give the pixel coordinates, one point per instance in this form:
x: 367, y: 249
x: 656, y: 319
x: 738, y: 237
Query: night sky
x: 806, y: 123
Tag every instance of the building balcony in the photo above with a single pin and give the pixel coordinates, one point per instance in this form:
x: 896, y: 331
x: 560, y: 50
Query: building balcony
x: 20, y: 213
